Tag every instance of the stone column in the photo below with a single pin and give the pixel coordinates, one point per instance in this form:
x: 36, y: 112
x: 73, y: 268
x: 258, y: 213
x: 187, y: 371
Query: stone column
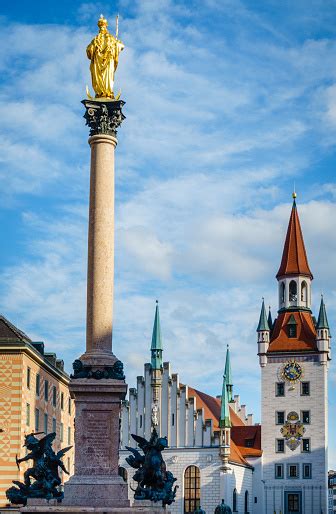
x: 98, y: 383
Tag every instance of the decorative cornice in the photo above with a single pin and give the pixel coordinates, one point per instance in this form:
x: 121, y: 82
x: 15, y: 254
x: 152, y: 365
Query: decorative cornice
x: 81, y: 371
x: 103, y: 117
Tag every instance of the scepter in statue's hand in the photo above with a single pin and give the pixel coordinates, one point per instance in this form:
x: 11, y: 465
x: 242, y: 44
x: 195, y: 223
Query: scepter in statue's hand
x: 117, y: 26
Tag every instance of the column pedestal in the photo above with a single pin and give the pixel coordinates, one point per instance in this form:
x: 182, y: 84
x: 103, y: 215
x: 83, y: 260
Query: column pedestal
x: 96, y: 481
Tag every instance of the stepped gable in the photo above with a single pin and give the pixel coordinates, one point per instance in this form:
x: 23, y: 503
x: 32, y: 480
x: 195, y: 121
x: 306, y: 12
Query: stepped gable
x: 306, y: 333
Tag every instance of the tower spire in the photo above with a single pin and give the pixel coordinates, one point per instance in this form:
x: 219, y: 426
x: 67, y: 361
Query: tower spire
x: 294, y: 257
x: 263, y: 322
x: 156, y: 346
x: 225, y: 421
x: 322, y: 321
x: 228, y: 374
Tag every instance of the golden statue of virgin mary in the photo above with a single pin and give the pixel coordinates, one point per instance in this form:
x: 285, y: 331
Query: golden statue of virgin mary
x: 103, y: 51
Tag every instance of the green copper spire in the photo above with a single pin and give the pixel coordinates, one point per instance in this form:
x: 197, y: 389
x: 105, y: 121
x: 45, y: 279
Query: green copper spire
x: 322, y: 321
x: 263, y: 323
x: 269, y: 319
x: 156, y: 347
x: 225, y: 421
x: 228, y: 374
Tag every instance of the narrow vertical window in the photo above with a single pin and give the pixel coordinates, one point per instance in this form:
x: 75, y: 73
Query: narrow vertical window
x: 234, y: 500
x: 37, y: 385
x: 246, y: 502
x: 62, y: 401
x: 45, y: 423
x: 61, y: 432
x: 54, y: 396
x: 293, y: 292
x: 54, y: 425
x: 46, y: 390
x: 37, y: 420
x: 69, y: 435
x: 69, y: 405
x: 28, y: 414
x: 28, y: 378
x: 173, y: 419
x: 304, y: 294
x: 192, y: 489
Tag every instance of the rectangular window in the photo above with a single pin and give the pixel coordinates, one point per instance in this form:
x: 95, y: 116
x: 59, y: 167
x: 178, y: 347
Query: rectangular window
x: 46, y: 390
x: 69, y: 435
x: 173, y: 419
x: 28, y: 378
x: 305, y: 416
x: 62, y: 401
x: 280, y: 417
x: 69, y: 406
x: 54, y: 425
x: 280, y: 389
x: 280, y: 445
x: 28, y: 414
x: 306, y: 445
x: 279, y: 471
x: 61, y: 432
x: 140, y: 421
x: 305, y: 388
x: 68, y: 461
x: 292, y: 471
x: 37, y: 420
x: 54, y: 396
x: 37, y: 385
x: 307, y: 471
x: 46, y: 423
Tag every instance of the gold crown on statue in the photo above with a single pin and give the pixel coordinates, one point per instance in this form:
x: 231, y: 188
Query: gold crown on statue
x: 102, y: 22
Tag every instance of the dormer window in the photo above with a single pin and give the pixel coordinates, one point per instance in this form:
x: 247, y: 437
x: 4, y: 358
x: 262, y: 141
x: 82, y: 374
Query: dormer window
x: 292, y: 327
x: 293, y: 292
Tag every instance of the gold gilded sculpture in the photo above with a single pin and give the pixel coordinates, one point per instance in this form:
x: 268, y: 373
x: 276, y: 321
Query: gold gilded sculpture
x: 103, y: 51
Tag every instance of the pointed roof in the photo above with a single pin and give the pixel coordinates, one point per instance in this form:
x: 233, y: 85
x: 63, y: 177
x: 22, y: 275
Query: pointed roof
x: 263, y: 322
x: 224, y: 420
x: 294, y: 258
x: 228, y: 370
x: 305, y: 340
x: 9, y: 332
x: 269, y: 319
x: 156, y: 346
x: 322, y: 321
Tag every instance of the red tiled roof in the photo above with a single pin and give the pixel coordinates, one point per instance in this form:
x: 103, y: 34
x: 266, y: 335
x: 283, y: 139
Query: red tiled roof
x: 305, y: 331
x: 294, y: 258
x: 211, y: 408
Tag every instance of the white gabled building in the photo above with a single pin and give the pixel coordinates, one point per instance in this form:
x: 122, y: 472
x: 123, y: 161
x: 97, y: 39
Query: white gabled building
x: 215, y: 451
x: 214, y: 448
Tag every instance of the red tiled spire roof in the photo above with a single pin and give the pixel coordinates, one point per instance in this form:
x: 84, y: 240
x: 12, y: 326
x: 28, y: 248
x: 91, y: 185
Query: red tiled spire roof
x: 305, y: 339
x: 294, y: 258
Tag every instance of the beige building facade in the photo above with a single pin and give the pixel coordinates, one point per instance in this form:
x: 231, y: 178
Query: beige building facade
x: 34, y: 397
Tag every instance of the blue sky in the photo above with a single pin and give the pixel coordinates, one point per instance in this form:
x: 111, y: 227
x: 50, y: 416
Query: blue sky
x: 228, y: 104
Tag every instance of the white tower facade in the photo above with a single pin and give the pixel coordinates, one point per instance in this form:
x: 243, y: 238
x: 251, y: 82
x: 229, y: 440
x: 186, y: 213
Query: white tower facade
x: 294, y: 394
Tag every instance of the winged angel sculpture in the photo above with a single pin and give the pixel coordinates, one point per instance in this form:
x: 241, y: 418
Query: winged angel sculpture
x: 42, y: 479
x: 155, y: 483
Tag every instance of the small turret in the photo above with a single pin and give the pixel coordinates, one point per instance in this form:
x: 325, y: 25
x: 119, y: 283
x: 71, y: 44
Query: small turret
x: 225, y: 427
x: 156, y: 359
x: 269, y: 319
x: 323, y: 334
x: 228, y: 375
x: 263, y: 336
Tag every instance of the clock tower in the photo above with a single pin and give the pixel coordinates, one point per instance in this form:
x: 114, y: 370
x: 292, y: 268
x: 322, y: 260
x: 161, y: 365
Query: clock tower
x: 294, y: 353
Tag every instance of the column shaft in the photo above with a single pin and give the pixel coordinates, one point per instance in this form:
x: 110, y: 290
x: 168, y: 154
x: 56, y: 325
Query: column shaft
x: 100, y: 247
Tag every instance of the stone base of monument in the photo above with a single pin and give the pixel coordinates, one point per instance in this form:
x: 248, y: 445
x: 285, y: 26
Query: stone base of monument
x: 38, y: 506
x: 96, y: 491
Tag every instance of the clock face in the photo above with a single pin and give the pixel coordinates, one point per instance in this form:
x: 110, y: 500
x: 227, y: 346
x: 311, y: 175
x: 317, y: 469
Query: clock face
x: 292, y: 371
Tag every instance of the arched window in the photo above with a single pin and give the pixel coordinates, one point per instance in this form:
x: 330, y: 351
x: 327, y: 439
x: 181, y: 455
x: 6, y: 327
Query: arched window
x: 234, y: 500
x: 122, y: 472
x: 246, y: 504
x: 304, y: 293
x: 282, y: 292
x: 192, y: 489
x: 292, y: 292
